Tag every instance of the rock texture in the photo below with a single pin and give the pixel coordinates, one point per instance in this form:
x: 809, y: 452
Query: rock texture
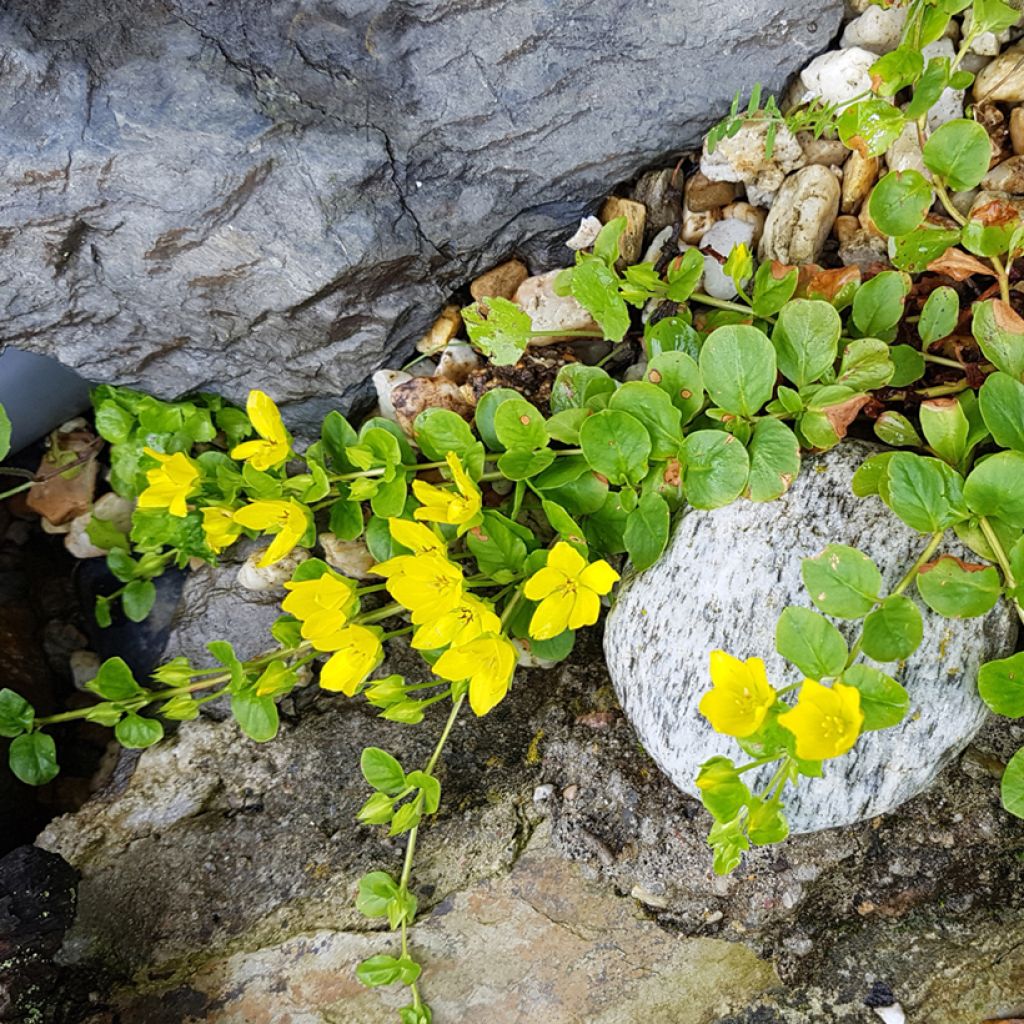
x: 700, y: 597
x: 236, y: 195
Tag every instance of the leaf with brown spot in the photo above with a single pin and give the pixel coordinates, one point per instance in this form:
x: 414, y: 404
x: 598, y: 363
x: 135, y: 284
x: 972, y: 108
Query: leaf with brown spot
x: 958, y: 265
x: 842, y: 415
x: 1007, y: 318
x: 966, y: 566
x: 995, y: 213
x: 816, y: 283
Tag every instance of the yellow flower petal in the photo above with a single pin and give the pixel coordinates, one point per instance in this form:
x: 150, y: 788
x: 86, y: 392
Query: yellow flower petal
x: 565, y: 557
x: 265, y: 417
x: 599, y: 577
x: 359, y: 652
x: 418, y: 538
x: 826, y: 721
x: 551, y: 617
x: 544, y: 582
x: 586, y: 609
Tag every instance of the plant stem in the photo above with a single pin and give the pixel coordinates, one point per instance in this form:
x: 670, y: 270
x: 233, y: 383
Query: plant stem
x: 1002, y: 558
x: 940, y: 191
x: 710, y: 300
x: 944, y: 389
x: 17, y: 490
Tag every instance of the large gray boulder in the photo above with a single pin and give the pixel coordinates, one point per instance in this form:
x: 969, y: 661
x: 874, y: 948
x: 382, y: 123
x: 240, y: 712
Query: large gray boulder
x: 722, y: 583
x: 235, y: 195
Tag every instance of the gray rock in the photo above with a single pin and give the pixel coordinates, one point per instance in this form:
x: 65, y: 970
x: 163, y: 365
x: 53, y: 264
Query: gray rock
x: 281, y: 195
x: 723, y: 582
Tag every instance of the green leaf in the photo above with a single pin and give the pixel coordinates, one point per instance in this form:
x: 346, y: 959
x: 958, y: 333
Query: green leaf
x: 945, y: 428
x: 716, y: 468
x: 900, y: 201
x: 595, y: 288
x: 33, y: 758
x: 522, y: 465
x: 871, y: 475
x: 376, y: 890
x: 993, y: 16
x: 774, y: 460
x: 498, y: 551
x: 381, y: 770
x: 722, y: 791
x: 646, y: 533
x: 935, y: 77
x: 810, y: 642
x: 649, y: 404
x: 957, y: 589
x: 429, y: 786
x: 1001, y: 685
x: 842, y: 581
x: 486, y: 407
x: 893, y: 631
x: 406, y: 817
x: 138, y: 599
x: 771, y: 293
x: 870, y: 126
x: 766, y: 823
x: 729, y: 843
x: 683, y: 273
x: 915, y: 251
x: 136, y: 733
x: 5, y: 433
x: 999, y: 331
x: 439, y: 431
x: 115, y: 681
x: 908, y: 365
x: 995, y: 487
x: 518, y: 424
x: 806, y: 340
x: 499, y: 329
x: 884, y: 702
x: 104, y: 534
x: 16, y: 714
x: 113, y: 423
x: 959, y: 151
x: 1012, y: 787
x: 576, y: 385
x: 616, y: 445
x: 256, y: 716
x: 866, y: 365
x: 1001, y: 400
x: 672, y: 333
x: 606, y: 245
x: 678, y: 375
x: 894, y: 71
x: 924, y: 492
x: 379, y: 970
x: 878, y: 304
x: 737, y: 364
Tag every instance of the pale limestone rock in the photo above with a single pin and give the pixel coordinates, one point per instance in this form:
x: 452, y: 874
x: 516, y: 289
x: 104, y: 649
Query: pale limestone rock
x: 801, y: 217
x: 722, y: 584
x: 457, y: 361
x: 752, y: 215
x: 1006, y: 177
x: 723, y: 237
x: 1017, y: 130
x: 696, y: 224
x: 585, y: 236
x: 878, y: 29
x: 950, y: 104
x: 838, y: 76
x: 262, y: 579
x: 905, y: 152
x: 444, y: 328
x: 742, y: 159
x: 548, y: 311
x: 1002, y: 81
x: 349, y: 557
x: 823, y: 151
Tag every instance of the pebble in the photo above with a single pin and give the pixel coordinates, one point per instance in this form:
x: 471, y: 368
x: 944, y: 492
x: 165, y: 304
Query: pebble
x: 839, y: 75
x: 411, y: 397
x: 444, y: 328
x: 703, y: 195
x: 349, y: 557
x: 631, y: 240
x: 84, y: 666
x: 500, y: 282
x: 1002, y: 81
x: 525, y: 658
x: 878, y: 29
x: 801, y: 217
x: 548, y: 311
x: 658, y: 242
x: 863, y: 250
x: 695, y: 225
x: 742, y: 159
x: 723, y: 237
x: 752, y: 215
x: 1006, y: 177
x: 827, y: 152
x: 457, y: 361
x: 659, y: 191
x: 384, y: 383
x: 585, y: 236
x: 859, y: 176
x: 76, y: 540
x: 544, y: 792
x: 1017, y: 130
x: 271, y: 577
x: 950, y: 104
x: 905, y: 153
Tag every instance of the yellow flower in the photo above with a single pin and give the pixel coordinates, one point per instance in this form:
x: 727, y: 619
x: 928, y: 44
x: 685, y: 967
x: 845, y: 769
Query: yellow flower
x: 288, y: 519
x: 459, y: 508
x: 275, y: 444
x: 170, y: 483
x: 220, y: 527
x: 826, y: 720
x: 569, y: 592
x: 428, y: 585
x: 419, y: 539
x: 741, y: 696
x: 359, y: 652
x: 487, y: 662
x: 457, y: 626
x: 322, y: 605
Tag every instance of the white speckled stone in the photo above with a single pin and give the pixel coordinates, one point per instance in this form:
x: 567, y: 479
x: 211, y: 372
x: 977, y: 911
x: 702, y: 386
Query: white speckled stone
x: 722, y: 583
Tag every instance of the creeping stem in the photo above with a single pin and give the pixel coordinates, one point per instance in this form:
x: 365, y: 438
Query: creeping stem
x: 1002, y: 558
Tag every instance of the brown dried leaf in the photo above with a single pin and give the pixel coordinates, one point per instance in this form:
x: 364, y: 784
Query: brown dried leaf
x: 958, y: 265
x: 842, y: 415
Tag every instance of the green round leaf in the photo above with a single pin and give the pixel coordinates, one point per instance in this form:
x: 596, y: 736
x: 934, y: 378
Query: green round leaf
x: 893, y: 631
x: 959, y: 152
x: 946, y: 428
x: 1002, y: 407
x: 806, y: 339
x: 900, y: 201
x: 439, y: 431
x: 999, y: 331
x: 810, y: 642
x: 616, y: 445
x: 1012, y: 787
x: 774, y: 460
x: 866, y: 365
x: 884, y: 702
x: 924, y: 492
x: 842, y: 581
x: 576, y: 385
x: 722, y: 791
x: 518, y: 424
x: 16, y: 714
x: 381, y: 770
x: 995, y: 487
x: 939, y: 315
x: 378, y: 970
x: 878, y: 304
x: 896, y: 430
x: 33, y: 758
x: 958, y: 590
x: 1001, y: 685
x: 520, y: 464
x: 870, y: 126
x: 377, y: 888
x: 256, y: 716
x: 766, y: 823
x: 738, y: 366
x: 646, y: 532
x: 136, y: 733
x: 138, y: 599
x: 115, y: 681
x: 595, y: 287
x: 485, y: 410
x: 654, y: 409
x: 678, y: 375
x: 908, y: 365
x: 715, y: 468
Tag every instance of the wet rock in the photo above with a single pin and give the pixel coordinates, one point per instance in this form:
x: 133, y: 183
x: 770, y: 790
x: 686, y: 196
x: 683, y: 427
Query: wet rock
x: 838, y: 76
x: 801, y: 216
x: 500, y: 281
x: 660, y: 193
x: 878, y: 29
x: 1002, y: 81
x: 348, y: 172
x: 549, y: 311
x: 723, y: 237
x: 667, y: 620
x: 631, y: 240
x: 742, y: 159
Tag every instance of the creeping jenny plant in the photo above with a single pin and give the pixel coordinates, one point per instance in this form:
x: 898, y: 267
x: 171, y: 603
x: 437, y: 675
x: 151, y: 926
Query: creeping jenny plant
x: 733, y: 391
